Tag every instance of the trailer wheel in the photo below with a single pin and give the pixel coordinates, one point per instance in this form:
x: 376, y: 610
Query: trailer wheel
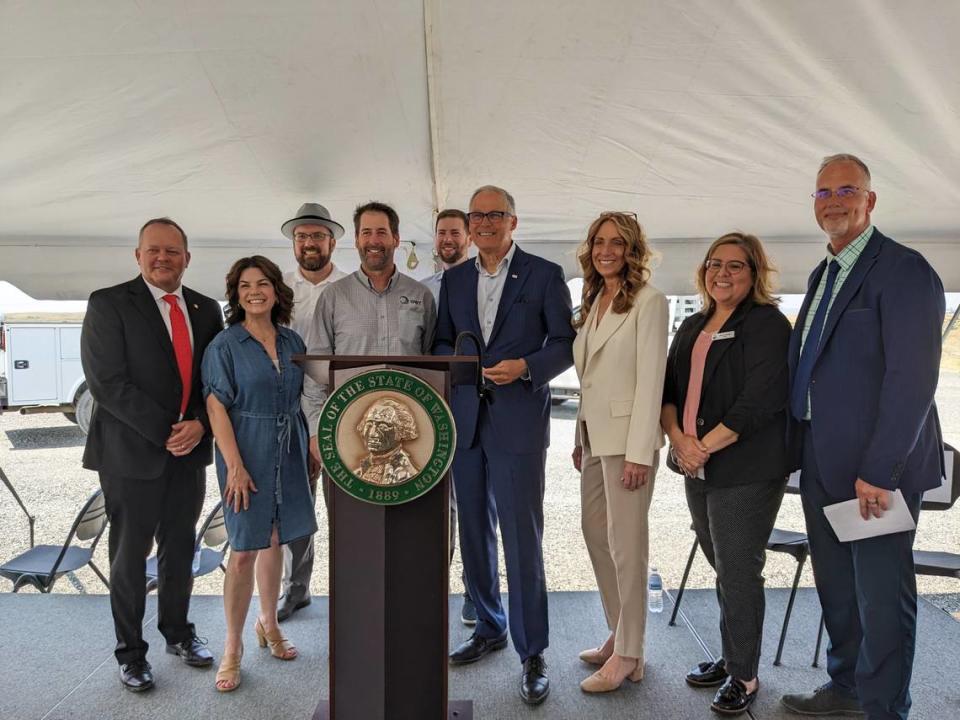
x: 83, y: 409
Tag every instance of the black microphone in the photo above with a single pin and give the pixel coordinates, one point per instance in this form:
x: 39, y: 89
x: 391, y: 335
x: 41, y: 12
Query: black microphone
x: 484, y: 391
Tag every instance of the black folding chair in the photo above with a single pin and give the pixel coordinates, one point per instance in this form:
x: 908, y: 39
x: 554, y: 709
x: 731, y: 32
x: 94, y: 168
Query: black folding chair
x: 786, y: 541
x: 42, y: 565
x: 213, y: 534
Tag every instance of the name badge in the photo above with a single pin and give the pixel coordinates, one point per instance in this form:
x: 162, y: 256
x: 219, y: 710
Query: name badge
x: 728, y: 335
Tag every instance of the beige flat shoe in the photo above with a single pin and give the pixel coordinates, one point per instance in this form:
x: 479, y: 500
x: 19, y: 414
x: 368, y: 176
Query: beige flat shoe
x: 593, y: 656
x: 598, y: 683
x: 280, y: 647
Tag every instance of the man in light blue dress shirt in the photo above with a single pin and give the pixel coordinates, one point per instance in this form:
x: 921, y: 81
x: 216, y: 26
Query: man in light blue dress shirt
x: 518, y: 305
x: 451, y: 244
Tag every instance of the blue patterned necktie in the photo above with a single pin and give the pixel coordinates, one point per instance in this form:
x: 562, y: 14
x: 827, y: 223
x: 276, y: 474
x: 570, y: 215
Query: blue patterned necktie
x: 801, y: 381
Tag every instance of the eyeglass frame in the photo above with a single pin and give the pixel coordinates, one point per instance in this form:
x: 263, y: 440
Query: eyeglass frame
x: 302, y: 237
x: 627, y: 213
x: 501, y: 216
x: 825, y: 193
x: 725, y: 265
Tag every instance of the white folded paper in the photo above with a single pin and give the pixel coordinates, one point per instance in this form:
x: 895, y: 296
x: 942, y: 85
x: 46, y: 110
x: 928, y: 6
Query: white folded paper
x: 847, y: 523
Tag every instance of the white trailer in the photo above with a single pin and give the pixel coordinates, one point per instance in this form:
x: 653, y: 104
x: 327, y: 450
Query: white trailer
x: 40, y: 365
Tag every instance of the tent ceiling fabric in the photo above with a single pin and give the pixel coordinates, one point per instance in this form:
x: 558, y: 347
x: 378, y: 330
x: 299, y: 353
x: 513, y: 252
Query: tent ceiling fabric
x: 702, y: 116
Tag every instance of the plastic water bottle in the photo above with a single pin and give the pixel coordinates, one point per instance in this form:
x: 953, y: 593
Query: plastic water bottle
x: 655, y: 591
x: 196, y: 562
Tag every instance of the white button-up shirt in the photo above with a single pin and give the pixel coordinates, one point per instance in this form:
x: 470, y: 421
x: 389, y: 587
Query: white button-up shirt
x: 490, y: 289
x: 158, y: 295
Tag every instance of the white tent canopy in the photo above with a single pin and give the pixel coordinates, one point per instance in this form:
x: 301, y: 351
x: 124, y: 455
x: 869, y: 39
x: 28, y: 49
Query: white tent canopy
x: 702, y: 116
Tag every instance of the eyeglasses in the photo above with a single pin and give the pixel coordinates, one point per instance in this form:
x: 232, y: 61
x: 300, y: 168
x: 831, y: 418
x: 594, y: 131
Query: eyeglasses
x: 847, y: 191
x: 496, y: 216
x: 625, y: 213
x: 734, y: 267
x: 302, y: 237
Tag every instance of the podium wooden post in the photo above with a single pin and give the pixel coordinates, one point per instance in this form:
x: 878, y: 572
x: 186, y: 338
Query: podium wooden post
x: 389, y: 577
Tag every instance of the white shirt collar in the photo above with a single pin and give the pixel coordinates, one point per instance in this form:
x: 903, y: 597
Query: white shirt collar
x: 504, y: 261
x: 299, y: 278
x: 158, y: 293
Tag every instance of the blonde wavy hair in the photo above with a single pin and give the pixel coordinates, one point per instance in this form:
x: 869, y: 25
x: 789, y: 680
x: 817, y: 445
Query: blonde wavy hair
x: 634, y: 274
x: 760, y: 266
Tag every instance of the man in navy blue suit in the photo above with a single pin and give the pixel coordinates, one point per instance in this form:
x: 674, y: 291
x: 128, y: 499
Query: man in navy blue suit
x: 518, y: 306
x: 864, y: 360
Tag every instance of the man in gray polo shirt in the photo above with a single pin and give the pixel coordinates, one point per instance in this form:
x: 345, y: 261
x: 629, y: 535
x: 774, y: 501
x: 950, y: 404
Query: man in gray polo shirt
x: 377, y: 310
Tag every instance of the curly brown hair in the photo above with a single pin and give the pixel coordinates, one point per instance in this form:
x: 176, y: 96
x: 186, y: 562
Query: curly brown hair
x: 633, y: 276
x: 282, y: 309
x: 761, y: 269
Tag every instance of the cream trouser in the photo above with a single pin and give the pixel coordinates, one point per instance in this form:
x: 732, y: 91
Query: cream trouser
x: 615, y: 528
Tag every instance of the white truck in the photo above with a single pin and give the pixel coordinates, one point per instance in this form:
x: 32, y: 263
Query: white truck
x: 40, y: 363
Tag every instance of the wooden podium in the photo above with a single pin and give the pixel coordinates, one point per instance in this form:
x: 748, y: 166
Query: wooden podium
x: 389, y: 576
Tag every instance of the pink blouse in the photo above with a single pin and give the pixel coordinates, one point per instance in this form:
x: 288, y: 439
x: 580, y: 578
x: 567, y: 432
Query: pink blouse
x: 695, y: 385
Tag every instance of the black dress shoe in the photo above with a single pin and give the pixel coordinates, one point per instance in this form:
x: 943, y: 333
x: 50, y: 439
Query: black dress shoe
x: 136, y: 676
x: 468, y: 613
x: 732, y: 698
x: 534, y: 683
x: 288, y: 607
x: 476, y: 647
x: 192, y: 652
x: 708, y: 674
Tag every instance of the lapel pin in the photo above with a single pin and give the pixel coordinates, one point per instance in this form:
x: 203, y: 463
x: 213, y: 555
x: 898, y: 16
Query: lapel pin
x: 195, y: 306
x: 514, y: 276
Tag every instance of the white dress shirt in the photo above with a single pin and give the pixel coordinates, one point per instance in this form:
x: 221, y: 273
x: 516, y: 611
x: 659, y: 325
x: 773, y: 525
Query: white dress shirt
x: 158, y: 295
x: 490, y: 289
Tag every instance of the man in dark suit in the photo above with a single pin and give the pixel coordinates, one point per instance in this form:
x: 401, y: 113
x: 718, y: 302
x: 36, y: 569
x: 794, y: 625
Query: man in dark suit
x: 149, y: 439
x: 864, y: 361
x: 519, y: 307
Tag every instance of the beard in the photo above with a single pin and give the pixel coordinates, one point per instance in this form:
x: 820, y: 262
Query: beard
x: 450, y: 255
x: 375, y: 262
x: 313, y: 261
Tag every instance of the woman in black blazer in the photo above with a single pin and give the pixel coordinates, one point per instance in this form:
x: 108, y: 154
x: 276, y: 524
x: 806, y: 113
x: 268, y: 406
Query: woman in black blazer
x: 724, y: 412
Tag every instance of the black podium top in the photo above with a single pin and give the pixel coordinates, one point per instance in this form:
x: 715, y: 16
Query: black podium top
x: 462, y: 368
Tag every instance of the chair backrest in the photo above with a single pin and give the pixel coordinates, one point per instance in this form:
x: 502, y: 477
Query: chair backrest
x: 213, y: 532
x: 945, y: 495
x: 92, y: 517
x: 90, y: 523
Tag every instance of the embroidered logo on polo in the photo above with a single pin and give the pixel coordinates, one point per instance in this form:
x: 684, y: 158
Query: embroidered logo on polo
x: 386, y: 437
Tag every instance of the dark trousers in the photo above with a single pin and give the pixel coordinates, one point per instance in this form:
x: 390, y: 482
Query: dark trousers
x: 733, y: 525
x: 495, y: 485
x: 166, y: 508
x: 868, y: 591
x: 298, y: 555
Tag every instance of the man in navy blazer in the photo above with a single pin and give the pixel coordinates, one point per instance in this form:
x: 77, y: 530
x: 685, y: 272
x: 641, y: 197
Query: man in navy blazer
x: 864, y: 361
x: 518, y: 307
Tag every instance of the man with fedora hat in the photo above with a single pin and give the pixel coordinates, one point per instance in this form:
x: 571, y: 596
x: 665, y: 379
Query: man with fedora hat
x: 314, y: 235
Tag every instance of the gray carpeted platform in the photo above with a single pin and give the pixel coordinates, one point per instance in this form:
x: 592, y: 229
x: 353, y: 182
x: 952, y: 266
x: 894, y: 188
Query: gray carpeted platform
x: 935, y: 691
x: 57, y: 664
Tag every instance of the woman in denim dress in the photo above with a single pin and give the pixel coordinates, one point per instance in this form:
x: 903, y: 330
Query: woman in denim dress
x: 253, y: 392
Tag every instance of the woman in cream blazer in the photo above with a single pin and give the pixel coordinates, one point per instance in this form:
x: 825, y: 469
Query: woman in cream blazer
x: 620, y: 354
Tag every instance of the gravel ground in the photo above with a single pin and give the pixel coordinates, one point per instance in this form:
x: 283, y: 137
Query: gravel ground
x: 41, y: 456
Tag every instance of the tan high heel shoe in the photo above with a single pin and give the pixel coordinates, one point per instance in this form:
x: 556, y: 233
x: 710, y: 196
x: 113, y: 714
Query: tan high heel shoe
x: 594, y: 656
x: 280, y: 647
x: 229, y: 671
x: 597, y: 683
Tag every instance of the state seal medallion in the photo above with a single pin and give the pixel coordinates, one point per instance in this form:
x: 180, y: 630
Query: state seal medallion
x: 386, y: 437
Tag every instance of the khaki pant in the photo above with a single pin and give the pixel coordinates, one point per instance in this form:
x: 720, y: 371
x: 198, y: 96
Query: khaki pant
x: 615, y: 528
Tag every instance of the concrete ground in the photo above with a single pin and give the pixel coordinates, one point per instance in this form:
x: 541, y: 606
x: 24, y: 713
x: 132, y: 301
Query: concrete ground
x: 41, y: 455
x: 64, y: 669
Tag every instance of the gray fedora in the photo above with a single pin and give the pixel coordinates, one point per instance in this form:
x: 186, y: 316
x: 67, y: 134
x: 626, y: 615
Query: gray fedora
x: 312, y: 214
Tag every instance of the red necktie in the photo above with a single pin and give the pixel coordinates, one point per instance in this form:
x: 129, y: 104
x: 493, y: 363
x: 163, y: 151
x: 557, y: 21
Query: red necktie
x: 181, y: 348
